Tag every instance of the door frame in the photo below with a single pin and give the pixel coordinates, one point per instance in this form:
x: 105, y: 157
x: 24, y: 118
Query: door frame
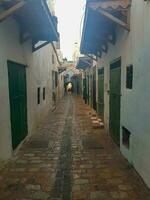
x: 113, y: 62
x: 94, y: 89
x: 24, y: 66
x: 99, y: 103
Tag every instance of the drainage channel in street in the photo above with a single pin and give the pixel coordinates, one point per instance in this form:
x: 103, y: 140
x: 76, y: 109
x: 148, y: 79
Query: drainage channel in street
x: 63, y: 181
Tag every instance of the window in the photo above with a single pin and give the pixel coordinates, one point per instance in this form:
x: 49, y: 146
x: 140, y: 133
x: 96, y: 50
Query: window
x: 44, y: 93
x: 38, y: 95
x: 53, y: 59
x: 129, y: 77
x: 126, y: 137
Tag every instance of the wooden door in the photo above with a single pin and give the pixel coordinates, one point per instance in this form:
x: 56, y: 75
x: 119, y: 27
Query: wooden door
x: 88, y: 89
x: 101, y: 92
x: 94, y: 88
x: 18, y: 102
x: 115, y: 94
x: 84, y: 90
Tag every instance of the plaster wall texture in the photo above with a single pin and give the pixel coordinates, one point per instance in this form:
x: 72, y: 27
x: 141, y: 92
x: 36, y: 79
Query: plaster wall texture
x: 61, y: 85
x: 38, y: 74
x: 133, y: 47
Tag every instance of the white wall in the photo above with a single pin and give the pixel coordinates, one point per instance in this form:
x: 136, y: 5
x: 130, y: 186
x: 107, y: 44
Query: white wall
x: 134, y: 48
x: 38, y: 73
x: 9, y: 50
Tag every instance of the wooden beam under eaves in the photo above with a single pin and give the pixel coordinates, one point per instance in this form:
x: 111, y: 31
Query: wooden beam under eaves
x: 99, y: 54
x: 114, y: 19
x: 91, y: 57
x: 86, y: 62
x: 40, y: 46
x: 11, y: 10
x: 105, y: 48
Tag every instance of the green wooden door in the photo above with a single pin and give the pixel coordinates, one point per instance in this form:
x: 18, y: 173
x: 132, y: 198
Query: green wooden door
x: 101, y: 92
x: 88, y: 90
x: 84, y: 90
x: 18, y: 102
x: 115, y: 93
x: 91, y: 90
x: 94, y: 88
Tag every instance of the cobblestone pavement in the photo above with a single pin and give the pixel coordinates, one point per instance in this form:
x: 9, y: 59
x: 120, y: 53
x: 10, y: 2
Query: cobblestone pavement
x: 69, y: 160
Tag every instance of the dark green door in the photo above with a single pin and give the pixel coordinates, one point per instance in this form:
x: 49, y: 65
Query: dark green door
x: 94, y: 88
x: 88, y: 90
x: 101, y: 92
x: 18, y: 102
x: 84, y: 90
x: 91, y: 91
x: 115, y: 94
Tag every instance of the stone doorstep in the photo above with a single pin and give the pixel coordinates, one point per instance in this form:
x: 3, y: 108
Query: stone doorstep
x: 93, y: 118
x: 100, y: 120
x: 101, y: 124
x: 97, y: 124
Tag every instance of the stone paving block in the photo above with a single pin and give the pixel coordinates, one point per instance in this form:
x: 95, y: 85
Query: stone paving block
x: 93, y: 118
x: 33, y: 187
x: 75, y: 162
x: 119, y: 195
x: 99, y: 195
x: 40, y: 195
x: 81, y: 181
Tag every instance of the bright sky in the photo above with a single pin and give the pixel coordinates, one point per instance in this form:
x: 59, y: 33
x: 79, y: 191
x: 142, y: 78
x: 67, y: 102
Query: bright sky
x: 70, y: 14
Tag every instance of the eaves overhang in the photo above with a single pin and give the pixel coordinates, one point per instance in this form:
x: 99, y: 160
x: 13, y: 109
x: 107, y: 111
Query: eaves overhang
x: 84, y: 63
x: 100, y: 21
x: 34, y: 18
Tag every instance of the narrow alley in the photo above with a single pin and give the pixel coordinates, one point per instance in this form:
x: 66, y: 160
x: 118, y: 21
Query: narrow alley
x: 67, y: 159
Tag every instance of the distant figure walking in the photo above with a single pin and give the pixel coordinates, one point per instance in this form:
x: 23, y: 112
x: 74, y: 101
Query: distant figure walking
x: 69, y: 88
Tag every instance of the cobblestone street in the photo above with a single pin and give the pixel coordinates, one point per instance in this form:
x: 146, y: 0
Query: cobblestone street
x: 67, y: 159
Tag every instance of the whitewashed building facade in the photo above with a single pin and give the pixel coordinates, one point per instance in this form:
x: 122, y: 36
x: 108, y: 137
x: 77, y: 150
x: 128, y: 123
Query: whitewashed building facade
x: 27, y: 59
x: 121, y: 44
